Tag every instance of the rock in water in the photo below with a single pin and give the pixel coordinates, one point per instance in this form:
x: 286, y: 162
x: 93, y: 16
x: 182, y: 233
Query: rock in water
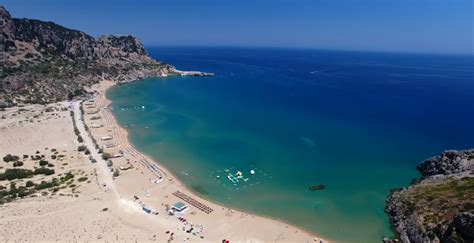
x: 317, y: 187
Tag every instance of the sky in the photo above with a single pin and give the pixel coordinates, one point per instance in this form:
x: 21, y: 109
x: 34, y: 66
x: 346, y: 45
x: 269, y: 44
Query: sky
x: 424, y: 26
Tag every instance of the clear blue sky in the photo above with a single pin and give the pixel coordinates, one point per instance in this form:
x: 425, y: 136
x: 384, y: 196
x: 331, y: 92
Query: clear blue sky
x: 441, y: 26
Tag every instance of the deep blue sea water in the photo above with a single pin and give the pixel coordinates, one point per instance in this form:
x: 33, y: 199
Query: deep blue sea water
x: 356, y: 122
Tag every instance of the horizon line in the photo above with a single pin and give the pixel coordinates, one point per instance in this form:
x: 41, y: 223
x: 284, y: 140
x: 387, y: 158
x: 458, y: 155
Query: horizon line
x: 469, y: 54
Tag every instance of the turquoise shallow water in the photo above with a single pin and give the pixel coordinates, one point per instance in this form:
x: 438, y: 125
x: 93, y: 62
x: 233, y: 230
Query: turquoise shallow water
x: 355, y: 122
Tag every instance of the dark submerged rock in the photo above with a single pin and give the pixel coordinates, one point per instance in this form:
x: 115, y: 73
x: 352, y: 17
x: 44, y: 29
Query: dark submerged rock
x: 317, y: 187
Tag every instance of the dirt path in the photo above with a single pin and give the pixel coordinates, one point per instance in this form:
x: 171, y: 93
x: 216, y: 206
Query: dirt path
x: 105, y: 176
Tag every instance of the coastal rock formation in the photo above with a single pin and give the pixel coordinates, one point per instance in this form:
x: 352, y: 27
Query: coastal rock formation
x: 449, y: 162
x: 440, y: 206
x: 45, y: 62
x: 464, y: 224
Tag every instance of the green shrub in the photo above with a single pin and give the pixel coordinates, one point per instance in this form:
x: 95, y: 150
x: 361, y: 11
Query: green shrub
x: 23, y: 193
x: 43, y: 162
x: 79, y: 139
x: 106, y: 156
x: 81, y: 179
x: 50, y: 165
x: 67, y: 176
x: 44, y: 171
x: 53, y: 156
x: 12, y: 174
x: 44, y: 185
x: 9, y: 158
x: 30, y: 184
x: 3, y: 193
x: 17, y: 163
x: 13, y: 188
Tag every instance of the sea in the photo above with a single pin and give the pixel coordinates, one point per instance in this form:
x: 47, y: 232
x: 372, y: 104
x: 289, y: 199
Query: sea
x: 273, y: 122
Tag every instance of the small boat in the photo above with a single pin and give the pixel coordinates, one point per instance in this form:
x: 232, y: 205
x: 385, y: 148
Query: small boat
x: 317, y: 187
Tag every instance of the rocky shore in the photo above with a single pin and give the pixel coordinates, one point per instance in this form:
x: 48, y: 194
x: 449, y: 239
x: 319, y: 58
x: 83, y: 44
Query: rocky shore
x: 438, y: 207
x: 190, y: 73
x: 43, y: 62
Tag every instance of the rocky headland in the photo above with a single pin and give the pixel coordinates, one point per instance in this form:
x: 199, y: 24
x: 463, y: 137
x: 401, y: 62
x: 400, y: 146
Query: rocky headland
x: 438, y: 207
x: 43, y: 62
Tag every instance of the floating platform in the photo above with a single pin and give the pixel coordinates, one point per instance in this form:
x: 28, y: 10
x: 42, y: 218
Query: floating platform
x: 236, y: 179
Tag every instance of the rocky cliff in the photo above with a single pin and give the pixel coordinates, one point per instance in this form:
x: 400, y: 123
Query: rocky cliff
x: 439, y: 207
x: 45, y: 62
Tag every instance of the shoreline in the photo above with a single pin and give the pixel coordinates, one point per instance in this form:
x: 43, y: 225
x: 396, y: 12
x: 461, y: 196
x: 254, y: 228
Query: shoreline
x: 104, y: 108
x: 194, y: 193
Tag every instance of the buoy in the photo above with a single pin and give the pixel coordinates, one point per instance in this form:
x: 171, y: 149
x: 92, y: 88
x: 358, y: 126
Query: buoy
x: 143, y: 107
x: 252, y: 172
x: 217, y: 177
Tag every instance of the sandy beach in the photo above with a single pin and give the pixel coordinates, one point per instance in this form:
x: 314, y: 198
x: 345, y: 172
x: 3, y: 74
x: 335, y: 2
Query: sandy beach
x: 134, y: 205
